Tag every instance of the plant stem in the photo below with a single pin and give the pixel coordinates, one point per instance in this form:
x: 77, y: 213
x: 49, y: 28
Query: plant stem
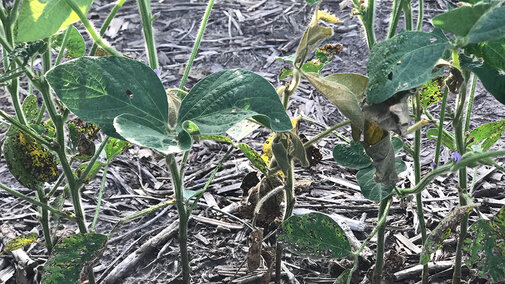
x: 470, y: 103
x: 100, y: 193
x: 203, y: 24
x: 106, y: 24
x: 420, y: 15
x: 417, y: 174
x: 13, y: 87
x: 289, y: 190
x: 325, y: 133
x: 379, y: 262
x: 395, y: 16
x: 147, y: 28
x: 63, y: 45
x: 407, y: 11
x: 91, y: 162
x: 381, y: 221
x: 368, y: 23
x: 36, y: 202
x: 459, y: 134
x: 44, y: 220
x: 139, y: 214
x: 97, y: 38
x: 60, y: 151
x: 183, y: 216
x: 26, y: 130
x: 441, y: 127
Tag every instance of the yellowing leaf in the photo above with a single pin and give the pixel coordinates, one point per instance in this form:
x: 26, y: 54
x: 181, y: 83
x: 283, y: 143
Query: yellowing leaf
x: 327, y: 17
x: 20, y: 242
x: 373, y: 133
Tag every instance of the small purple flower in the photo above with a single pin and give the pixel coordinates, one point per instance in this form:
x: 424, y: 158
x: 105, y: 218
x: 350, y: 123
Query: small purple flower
x: 456, y: 157
x: 36, y: 67
x: 157, y: 71
x: 433, y: 165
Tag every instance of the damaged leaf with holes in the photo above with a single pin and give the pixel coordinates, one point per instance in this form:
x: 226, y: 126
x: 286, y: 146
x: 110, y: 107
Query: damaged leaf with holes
x: 403, y: 62
x: 446, y: 228
x: 486, y: 246
x: 69, y: 257
x: 315, y: 234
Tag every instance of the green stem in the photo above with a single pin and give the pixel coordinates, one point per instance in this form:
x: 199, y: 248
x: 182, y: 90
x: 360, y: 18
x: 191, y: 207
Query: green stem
x: 407, y: 10
x: 289, y: 190
x: 325, y: 133
x: 44, y: 220
x: 203, y: 24
x: 420, y: 15
x: 441, y: 127
x: 147, y: 27
x: 177, y: 90
x: 417, y: 175
x: 470, y: 103
x: 46, y: 57
x: 100, y: 193
x: 395, y: 16
x: 139, y: 214
x: 63, y: 45
x: 59, y: 124
x: 209, y: 181
x: 55, y: 186
x: 368, y: 23
x: 36, y: 202
x: 379, y: 262
x: 459, y: 134
x: 91, y: 162
x: 11, y: 75
x: 27, y: 130
x: 106, y: 24
x: 381, y: 221
x: 97, y: 38
x: 183, y: 216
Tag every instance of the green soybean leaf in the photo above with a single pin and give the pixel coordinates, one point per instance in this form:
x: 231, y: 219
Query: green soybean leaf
x: 39, y: 19
x: 447, y: 140
x: 485, y: 244
x: 76, y: 47
x: 69, y: 257
x: 445, y: 229
x: 372, y: 189
x: 492, y: 78
x: 220, y: 100
x: 492, y: 52
x: 343, y: 90
x: 20, y: 242
x: 115, y: 147
x: 490, y: 26
x: 99, y: 89
x: 403, y: 62
x: 311, y: 2
x: 94, y: 170
x: 397, y: 144
x: 460, y: 21
x: 142, y: 132
x: 315, y: 234
x: 351, y: 156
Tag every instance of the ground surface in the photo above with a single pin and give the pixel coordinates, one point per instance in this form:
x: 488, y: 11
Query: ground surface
x: 249, y: 35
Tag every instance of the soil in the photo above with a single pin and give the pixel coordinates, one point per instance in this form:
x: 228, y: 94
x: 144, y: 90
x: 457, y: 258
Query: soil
x: 250, y: 35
